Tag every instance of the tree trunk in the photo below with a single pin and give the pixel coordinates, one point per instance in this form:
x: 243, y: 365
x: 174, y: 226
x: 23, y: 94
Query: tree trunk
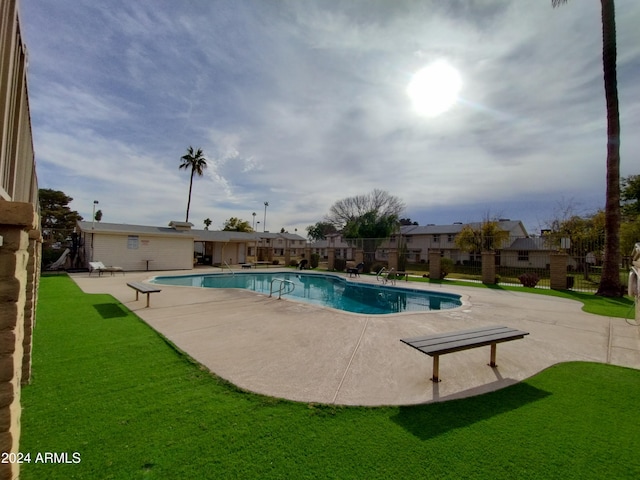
x: 189, y: 200
x: 610, y: 281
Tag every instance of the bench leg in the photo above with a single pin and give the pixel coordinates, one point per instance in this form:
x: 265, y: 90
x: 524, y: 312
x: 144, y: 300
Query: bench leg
x: 436, y: 368
x: 494, y: 348
x: 136, y: 295
x: 148, y: 297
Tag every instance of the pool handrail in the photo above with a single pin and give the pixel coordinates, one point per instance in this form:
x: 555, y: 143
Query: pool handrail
x: 282, y: 283
x: 230, y: 269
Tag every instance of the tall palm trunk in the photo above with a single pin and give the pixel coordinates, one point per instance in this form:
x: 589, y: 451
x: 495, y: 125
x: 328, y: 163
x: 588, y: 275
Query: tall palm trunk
x: 610, y: 281
x: 193, y: 171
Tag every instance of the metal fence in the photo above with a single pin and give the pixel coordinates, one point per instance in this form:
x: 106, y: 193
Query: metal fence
x: 518, y: 260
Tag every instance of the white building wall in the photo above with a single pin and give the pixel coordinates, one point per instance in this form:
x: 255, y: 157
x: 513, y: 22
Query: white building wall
x: 164, y: 253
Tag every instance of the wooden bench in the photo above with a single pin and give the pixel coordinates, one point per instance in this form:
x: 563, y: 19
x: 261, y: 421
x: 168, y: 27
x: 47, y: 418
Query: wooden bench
x: 436, y: 345
x: 143, y: 288
x: 247, y: 265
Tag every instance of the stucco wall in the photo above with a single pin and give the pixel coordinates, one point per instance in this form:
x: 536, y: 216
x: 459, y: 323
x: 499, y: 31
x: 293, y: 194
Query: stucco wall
x: 164, y: 253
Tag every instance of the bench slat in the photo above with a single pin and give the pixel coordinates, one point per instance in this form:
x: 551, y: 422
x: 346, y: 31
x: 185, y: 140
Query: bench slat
x: 143, y: 287
x: 458, y: 334
x: 451, y: 347
x: 440, y: 344
x: 448, y: 343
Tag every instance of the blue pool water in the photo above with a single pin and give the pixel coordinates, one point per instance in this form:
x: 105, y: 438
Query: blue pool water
x: 326, y: 290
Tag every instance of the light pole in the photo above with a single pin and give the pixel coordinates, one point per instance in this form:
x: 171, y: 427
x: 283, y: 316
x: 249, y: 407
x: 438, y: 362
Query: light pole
x: 93, y: 216
x: 264, y: 225
x: 254, y: 221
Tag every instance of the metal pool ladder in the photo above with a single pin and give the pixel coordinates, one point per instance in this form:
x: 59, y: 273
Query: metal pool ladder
x: 281, y: 290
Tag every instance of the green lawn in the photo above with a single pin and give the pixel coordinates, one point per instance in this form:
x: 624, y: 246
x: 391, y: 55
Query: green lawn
x: 107, y: 386
x: 622, y: 307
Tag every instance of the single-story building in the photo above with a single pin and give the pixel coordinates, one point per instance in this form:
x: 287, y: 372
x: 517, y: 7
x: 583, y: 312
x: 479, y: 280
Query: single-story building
x: 179, y: 247
x: 137, y: 247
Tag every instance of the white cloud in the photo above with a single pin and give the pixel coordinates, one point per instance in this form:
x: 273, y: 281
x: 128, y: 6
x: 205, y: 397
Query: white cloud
x: 301, y: 104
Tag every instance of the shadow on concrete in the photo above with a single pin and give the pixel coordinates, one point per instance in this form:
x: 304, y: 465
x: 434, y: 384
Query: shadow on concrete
x: 110, y: 310
x: 434, y: 419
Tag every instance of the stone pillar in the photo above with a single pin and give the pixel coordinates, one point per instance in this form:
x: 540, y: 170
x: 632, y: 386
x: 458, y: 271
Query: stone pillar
x: 359, y: 255
x: 558, y: 271
x: 489, y: 268
x: 435, y: 267
x: 33, y: 274
x: 331, y: 258
x: 392, y: 259
x: 16, y: 221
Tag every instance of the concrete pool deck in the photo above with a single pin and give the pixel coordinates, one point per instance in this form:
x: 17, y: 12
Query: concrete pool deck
x: 301, y: 352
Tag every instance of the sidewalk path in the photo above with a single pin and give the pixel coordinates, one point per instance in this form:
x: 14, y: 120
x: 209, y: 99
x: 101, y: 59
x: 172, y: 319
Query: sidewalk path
x: 306, y: 353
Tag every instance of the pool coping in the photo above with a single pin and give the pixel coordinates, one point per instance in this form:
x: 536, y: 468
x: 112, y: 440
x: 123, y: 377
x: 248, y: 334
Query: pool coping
x: 309, y: 353
x: 336, y: 275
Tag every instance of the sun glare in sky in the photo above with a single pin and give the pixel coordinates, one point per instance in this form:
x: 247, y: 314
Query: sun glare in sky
x: 434, y: 89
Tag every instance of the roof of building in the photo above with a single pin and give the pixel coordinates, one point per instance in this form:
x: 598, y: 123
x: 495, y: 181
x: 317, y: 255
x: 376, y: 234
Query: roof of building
x: 126, y: 229
x: 181, y: 229
x: 504, y: 224
x: 530, y: 243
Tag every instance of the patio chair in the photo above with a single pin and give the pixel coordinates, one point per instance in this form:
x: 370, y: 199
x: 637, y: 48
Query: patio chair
x: 356, y: 270
x: 100, y: 268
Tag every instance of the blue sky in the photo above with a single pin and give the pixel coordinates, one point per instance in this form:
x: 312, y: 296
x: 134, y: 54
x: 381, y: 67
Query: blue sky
x: 302, y: 103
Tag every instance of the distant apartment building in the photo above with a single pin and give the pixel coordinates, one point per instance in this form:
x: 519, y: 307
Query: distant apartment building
x: 19, y: 231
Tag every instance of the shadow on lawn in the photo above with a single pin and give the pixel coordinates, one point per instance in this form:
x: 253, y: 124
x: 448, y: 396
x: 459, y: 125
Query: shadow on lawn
x: 110, y: 310
x: 434, y: 419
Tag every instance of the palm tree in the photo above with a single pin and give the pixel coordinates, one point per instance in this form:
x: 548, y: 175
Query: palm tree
x: 197, y: 163
x: 610, y: 280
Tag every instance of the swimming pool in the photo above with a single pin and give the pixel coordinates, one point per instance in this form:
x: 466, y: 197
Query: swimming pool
x: 326, y: 290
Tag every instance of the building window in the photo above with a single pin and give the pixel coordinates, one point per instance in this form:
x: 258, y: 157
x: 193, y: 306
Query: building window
x: 523, y: 255
x: 132, y: 242
x: 450, y: 238
x: 436, y: 238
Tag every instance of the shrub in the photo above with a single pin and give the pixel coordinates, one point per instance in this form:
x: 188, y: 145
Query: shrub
x: 315, y: 260
x: 275, y: 262
x: 529, y: 279
x: 446, y: 266
x: 339, y: 264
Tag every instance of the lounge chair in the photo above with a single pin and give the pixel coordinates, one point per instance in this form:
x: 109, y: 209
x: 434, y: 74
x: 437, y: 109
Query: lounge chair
x: 100, y: 268
x: 355, y: 270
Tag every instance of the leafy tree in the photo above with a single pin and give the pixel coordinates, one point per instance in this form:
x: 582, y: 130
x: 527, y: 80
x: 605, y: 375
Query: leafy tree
x: 195, y: 161
x: 237, y: 225
x: 629, y: 235
x: 585, y: 234
x: 487, y: 237
x: 320, y: 230
x: 98, y: 216
x: 378, y: 204
x: 630, y: 195
x: 371, y: 225
x: 406, y: 221
x: 57, y: 219
x: 367, y: 219
x: 610, y: 281
x: 58, y: 223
